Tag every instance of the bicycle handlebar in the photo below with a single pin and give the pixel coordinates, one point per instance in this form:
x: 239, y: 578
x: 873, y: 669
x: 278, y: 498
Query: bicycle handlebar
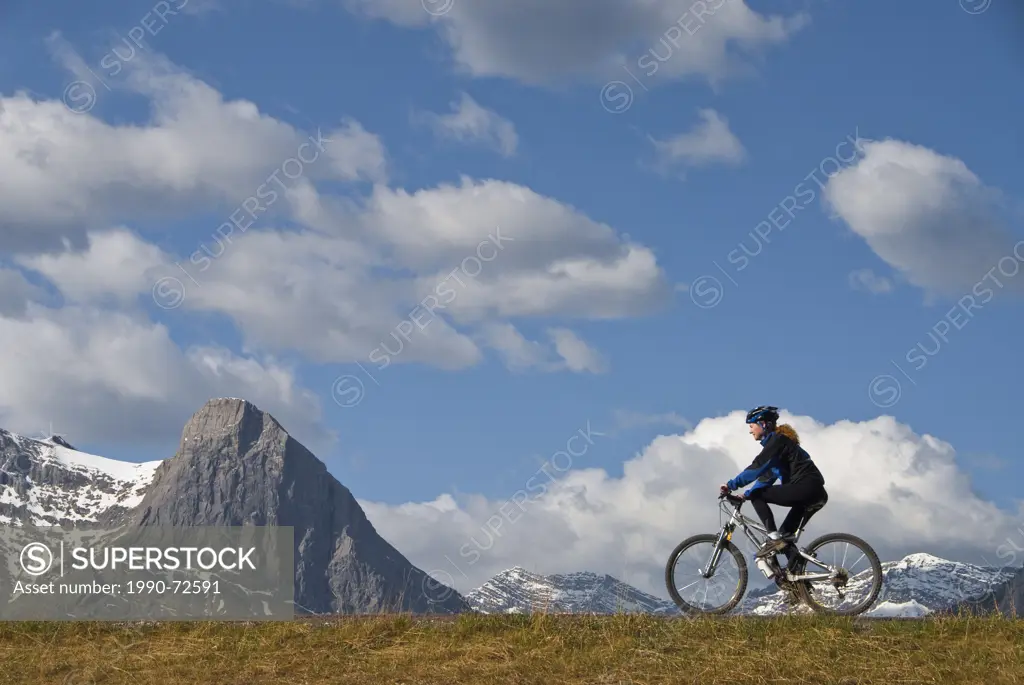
x: 731, y: 498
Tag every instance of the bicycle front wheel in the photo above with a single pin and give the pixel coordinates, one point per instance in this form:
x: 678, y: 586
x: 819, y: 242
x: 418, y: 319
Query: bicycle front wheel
x: 691, y: 591
x: 857, y: 570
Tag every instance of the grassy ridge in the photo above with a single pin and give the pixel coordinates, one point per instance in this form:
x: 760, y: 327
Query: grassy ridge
x: 478, y: 649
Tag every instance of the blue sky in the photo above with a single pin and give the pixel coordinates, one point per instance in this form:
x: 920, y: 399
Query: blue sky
x: 734, y: 120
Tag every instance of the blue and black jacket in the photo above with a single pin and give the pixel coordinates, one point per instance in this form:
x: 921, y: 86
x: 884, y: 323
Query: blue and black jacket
x: 781, y: 458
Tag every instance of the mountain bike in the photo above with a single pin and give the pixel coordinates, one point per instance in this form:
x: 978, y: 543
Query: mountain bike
x: 828, y: 588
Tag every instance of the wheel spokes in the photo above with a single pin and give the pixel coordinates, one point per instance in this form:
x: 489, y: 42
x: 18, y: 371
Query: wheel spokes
x: 705, y: 594
x: 850, y: 584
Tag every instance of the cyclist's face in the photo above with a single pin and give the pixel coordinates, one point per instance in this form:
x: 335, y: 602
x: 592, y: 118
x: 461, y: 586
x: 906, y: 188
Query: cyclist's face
x: 756, y: 430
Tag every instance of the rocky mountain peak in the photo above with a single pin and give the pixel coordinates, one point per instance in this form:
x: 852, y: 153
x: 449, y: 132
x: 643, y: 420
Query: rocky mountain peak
x: 236, y: 466
x: 230, y: 420
x: 59, y: 440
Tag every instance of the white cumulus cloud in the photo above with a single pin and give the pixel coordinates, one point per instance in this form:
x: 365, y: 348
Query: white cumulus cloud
x: 929, y: 217
x: 543, y: 42
x: 108, y: 376
x: 709, y: 142
x: 470, y: 122
x: 64, y: 173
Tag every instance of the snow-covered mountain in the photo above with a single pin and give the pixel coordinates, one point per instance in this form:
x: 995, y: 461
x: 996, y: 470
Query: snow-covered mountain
x: 915, y: 586
x: 938, y: 583
x: 517, y: 591
x: 49, y: 482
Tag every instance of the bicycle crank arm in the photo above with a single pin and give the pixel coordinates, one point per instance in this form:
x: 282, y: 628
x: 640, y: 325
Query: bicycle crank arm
x: 809, y: 576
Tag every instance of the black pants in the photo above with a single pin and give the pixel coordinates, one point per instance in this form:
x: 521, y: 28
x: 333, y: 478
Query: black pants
x: 798, y: 496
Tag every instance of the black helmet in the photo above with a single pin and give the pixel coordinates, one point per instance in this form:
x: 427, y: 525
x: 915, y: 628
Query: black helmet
x: 763, y: 413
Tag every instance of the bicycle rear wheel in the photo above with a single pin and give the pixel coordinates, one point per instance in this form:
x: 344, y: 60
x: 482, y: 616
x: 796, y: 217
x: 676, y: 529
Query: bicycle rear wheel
x: 727, y: 583
x: 853, y: 591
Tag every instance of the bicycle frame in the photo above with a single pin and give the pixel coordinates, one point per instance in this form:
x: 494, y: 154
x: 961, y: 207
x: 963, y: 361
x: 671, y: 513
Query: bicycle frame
x: 736, y: 518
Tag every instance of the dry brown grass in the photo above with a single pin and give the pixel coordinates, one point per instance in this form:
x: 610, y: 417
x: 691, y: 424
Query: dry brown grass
x: 548, y: 649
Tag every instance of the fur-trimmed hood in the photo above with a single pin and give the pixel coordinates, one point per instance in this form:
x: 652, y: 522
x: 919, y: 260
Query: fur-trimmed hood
x: 788, y: 431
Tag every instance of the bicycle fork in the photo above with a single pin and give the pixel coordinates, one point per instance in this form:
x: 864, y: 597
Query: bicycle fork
x: 723, y: 537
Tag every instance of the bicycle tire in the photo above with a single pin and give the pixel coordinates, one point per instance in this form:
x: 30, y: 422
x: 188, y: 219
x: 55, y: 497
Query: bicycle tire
x: 673, y: 558
x: 876, y: 567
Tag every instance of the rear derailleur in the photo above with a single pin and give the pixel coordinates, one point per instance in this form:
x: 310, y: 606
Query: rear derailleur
x: 839, y: 581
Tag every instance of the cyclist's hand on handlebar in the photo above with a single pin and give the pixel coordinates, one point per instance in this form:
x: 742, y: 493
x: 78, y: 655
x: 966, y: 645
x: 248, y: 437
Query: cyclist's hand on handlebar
x: 723, y: 490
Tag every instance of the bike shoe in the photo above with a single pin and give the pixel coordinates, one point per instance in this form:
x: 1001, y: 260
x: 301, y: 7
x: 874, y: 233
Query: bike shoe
x: 771, y: 547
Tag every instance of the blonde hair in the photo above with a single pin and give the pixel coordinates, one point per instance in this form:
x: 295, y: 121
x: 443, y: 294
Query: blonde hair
x: 788, y: 431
